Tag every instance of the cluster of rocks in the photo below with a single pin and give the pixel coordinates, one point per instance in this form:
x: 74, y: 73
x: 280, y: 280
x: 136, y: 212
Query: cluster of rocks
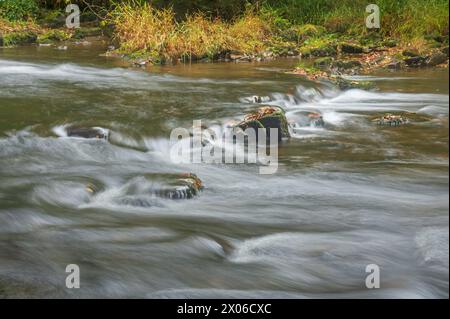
x: 391, y: 120
x: 331, y: 60
x: 51, y: 37
x: 177, y: 186
x: 413, y: 59
x: 188, y: 186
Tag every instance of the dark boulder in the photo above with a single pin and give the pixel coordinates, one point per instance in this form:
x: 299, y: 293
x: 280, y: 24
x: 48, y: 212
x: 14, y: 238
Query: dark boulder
x: 267, y: 117
x: 323, y: 62
x: 350, y: 48
x: 436, y: 59
x: 416, y: 61
x: 90, y: 133
x: 186, y: 186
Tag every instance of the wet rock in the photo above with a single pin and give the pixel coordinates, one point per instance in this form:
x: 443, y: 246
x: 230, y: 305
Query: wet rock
x: 260, y: 99
x: 416, y: 61
x: 396, y: 65
x: 52, y: 36
x: 345, y: 84
x: 391, y: 120
x: 436, y: 59
x: 84, y: 32
x: 347, y: 64
x: 316, y: 119
x: 350, y: 48
x: 323, y: 51
x: 319, y: 49
x: 17, y: 38
x: 267, y: 117
x: 92, y: 188
x: 89, y: 133
x: 236, y: 56
x: 445, y: 51
x: 186, y: 186
x: 144, y: 191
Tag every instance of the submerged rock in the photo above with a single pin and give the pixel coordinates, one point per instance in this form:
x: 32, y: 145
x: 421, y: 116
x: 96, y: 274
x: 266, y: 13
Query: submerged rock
x: 186, y: 186
x: 391, y: 120
x: 316, y: 119
x: 91, y: 132
x: 260, y: 99
x: 267, y: 117
x: 307, y: 119
x: 144, y: 191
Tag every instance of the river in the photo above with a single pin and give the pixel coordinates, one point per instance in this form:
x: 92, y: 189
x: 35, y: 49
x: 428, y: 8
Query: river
x: 344, y: 196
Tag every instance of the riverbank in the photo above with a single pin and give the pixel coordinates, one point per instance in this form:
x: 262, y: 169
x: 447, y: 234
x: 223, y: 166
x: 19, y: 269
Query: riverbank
x: 144, y: 35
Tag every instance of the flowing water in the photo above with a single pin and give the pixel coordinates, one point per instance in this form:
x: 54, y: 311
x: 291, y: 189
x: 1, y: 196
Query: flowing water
x: 344, y: 196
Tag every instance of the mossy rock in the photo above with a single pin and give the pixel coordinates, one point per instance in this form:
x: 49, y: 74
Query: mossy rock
x: 345, y: 84
x: 266, y: 117
x: 319, y: 51
x: 347, y: 64
x: 323, y: 62
x: 351, y: 48
x: 84, y: 32
x: 53, y: 36
x: 390, y: 43
x: 17, y: 38
x: 319, y: 47
x: 88, y: 132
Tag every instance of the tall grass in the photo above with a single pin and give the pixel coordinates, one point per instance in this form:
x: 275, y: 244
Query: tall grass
x: 141, y: 27
x: 405, y: 19
x: 161, y: 33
